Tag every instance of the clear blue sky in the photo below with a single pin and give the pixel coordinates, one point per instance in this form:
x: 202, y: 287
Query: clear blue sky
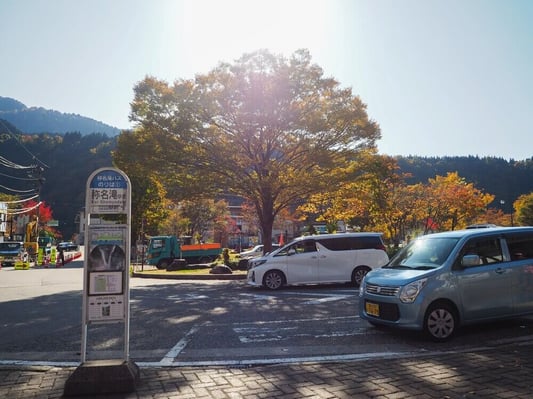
x: 446, y: 77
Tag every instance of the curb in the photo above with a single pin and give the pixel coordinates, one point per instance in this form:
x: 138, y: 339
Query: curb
x: 191, y: 276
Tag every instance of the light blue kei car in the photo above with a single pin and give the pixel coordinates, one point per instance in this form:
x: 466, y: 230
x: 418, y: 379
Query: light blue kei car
x: 441, y: 281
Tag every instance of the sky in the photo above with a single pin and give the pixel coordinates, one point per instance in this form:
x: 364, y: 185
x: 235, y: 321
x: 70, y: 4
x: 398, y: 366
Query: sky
x: 440, y: 77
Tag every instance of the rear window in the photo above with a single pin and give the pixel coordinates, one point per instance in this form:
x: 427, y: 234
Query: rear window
x: 352, y: 243
x: 520, y: 246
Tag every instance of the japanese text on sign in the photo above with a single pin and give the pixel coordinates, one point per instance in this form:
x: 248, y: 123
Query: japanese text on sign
x: 109, y: 179
x: 108, y: 192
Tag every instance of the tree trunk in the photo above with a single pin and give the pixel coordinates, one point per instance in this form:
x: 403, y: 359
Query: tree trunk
x: 266, y: 219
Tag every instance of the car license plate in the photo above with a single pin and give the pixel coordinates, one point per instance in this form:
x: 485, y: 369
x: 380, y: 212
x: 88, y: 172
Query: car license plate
x: 372, y: 309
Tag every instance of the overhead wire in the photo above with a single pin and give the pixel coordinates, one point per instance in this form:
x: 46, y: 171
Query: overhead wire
x: 22, y: 200
x: 9, y: 164
x: 22, y: 145
x: 4, y: 162
x: 23, y: 210
x: 13, y: 190
x: 20, y: 178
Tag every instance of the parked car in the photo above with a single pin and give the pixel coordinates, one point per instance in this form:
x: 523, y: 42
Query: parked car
x: 441, y: 281
x: 325, y: 258
x: 256, y: 251
x: 10, y: 252
x: 68, y: 246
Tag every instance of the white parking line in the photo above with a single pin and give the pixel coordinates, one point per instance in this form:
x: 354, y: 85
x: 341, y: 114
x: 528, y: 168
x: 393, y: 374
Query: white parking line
x: 277, y: 331
x: 187, y: 297
x: 327, y: 299
x: 169, y: 358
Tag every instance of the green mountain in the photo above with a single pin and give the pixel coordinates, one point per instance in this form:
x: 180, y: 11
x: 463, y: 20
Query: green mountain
x: 54, y: 165
x: 41, y: 120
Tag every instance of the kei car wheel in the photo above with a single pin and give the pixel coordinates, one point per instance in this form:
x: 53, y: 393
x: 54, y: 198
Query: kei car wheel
x: 440, y: 322
x: 273, y: 280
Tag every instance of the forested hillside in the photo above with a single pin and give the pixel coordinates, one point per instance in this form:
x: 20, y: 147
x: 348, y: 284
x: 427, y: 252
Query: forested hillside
x: 41, y: 120
x: 63, y: 164
x: 506, y: 180
x: 68, y: 160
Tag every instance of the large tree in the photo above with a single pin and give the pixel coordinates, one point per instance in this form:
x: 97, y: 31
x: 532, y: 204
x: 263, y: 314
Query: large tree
x: 269, y: 128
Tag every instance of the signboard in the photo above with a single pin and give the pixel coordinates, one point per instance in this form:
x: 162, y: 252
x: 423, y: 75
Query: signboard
x: 105, y: 283
x: 3, y: 217
x: 105, y: 307
x: 109, y: 192
x: 107, y: 251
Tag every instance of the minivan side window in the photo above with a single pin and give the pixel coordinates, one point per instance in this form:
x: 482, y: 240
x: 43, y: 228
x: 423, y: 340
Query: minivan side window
x: 487, y: 248
x: 299, y: 248
x: 351, y: 243
x: 337, y: 244
x: 520, y: 246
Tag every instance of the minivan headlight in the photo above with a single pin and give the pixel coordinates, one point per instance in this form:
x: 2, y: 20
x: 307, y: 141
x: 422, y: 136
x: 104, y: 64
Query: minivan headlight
x: 409, y: 293
x: 256, y: 263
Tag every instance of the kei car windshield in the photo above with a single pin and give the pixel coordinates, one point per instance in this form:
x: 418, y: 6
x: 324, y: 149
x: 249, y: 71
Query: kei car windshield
x: 425, y: 253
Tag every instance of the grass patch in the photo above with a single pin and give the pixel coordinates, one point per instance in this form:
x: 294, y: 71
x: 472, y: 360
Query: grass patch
x: 184, y: 272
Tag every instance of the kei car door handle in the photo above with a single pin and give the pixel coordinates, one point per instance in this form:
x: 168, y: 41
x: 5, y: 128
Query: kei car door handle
x: 500, y: 270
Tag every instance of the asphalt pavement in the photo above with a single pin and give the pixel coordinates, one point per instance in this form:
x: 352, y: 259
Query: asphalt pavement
x: 503, y: 371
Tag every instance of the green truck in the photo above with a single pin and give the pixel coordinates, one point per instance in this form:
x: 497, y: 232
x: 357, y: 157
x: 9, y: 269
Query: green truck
x: 162, y: 250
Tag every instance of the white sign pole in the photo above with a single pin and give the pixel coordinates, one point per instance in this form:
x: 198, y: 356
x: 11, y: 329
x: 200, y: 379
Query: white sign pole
x: 106, y: 293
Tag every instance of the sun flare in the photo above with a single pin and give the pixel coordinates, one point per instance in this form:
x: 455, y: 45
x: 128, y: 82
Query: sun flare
x: 218, y: 31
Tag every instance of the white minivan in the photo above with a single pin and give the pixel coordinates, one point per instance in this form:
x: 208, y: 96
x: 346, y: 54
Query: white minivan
x: 324, y: 258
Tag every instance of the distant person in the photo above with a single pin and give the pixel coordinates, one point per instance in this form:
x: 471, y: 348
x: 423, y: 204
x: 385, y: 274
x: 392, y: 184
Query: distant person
x: 61, y: 256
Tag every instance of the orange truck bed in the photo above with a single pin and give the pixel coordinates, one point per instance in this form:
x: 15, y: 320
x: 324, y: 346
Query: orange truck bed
x: 195, y: 247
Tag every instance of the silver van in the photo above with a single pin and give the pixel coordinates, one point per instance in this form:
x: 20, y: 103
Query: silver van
x: 317, y: 259
x: 441, y: 281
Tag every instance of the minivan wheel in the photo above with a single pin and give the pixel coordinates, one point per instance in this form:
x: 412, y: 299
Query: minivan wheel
x: 358, y: 274
x: 273, y: 280
x: 440, y: 322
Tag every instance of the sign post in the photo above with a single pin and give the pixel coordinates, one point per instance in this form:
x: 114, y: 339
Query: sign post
x: 106, y: 293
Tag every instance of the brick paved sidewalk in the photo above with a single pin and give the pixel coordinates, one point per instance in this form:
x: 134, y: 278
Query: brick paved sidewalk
x: 501, y: 372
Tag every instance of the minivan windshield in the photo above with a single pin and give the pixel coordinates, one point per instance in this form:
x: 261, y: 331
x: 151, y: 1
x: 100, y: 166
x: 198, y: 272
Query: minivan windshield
x: 424, y: 253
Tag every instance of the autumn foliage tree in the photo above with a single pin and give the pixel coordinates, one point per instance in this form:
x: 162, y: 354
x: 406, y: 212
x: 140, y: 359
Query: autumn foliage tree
x: 267, y: 128
x: 524, y: 209
x: 43, y: 213
x: 134, y: 156
x: 452, y: 202
x: 379, y: 199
